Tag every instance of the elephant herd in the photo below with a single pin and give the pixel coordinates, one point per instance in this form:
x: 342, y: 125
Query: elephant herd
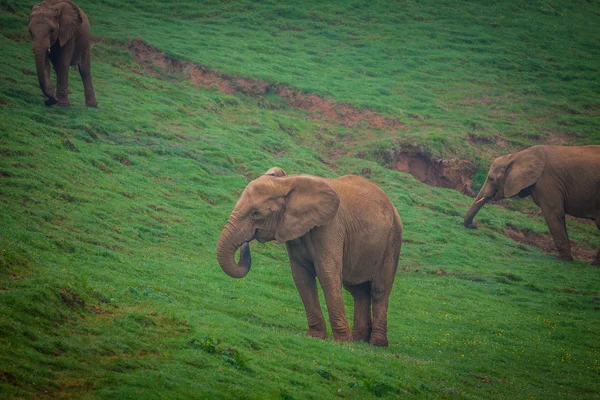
x: 344, y: 231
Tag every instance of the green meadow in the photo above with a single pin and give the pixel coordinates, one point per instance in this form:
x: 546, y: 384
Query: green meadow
x: 109, y: 216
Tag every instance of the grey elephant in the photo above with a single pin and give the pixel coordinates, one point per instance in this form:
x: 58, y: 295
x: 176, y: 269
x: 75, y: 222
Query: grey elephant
x: 60, y: 33
x: 343, y: 231
x: 560, y: 179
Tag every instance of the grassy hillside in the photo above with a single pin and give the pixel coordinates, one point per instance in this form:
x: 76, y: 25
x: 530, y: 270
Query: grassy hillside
x: 109, y: 217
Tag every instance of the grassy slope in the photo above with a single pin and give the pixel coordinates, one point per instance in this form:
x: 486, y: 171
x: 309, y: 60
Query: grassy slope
x: 524, y: 70
x: 109, y: 217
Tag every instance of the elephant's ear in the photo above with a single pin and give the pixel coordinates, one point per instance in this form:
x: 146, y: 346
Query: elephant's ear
x: 275, y: 171
x: 69, y: 20
x: 310, y: 202
x: 524, y: 170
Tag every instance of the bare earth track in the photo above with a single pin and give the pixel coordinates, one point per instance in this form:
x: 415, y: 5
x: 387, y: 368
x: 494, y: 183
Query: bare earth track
x: 345, y: 114
x: 546, y: 244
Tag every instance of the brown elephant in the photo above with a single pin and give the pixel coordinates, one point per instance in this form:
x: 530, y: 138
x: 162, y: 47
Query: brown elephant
x: 60, y: 32
x: 560, y: 179
x: 343, y: 231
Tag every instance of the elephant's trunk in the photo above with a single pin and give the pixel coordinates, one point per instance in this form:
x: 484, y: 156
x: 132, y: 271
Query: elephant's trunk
x: 226, y: 248
x: 41, y: 60
x: 480, y: 200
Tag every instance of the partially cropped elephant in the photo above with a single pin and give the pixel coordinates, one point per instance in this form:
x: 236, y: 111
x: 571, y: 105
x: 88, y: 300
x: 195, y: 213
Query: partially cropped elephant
x: 60, y: 32
x: 560, y: 179
x: 343, y: 231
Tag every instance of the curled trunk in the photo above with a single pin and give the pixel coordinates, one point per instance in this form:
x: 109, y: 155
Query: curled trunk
x: 41, y: 60
x: 226, y: 248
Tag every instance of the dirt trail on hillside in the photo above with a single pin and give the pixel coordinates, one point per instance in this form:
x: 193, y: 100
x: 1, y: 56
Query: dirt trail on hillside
x: 546, y: 243
x: 328, y: 109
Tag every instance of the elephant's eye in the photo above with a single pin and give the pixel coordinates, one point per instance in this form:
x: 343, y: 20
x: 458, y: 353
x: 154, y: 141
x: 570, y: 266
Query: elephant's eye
x: 255, y: 214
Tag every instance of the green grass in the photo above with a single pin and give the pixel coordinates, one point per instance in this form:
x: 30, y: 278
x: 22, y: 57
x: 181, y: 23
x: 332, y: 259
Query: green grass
x: 109, y: 217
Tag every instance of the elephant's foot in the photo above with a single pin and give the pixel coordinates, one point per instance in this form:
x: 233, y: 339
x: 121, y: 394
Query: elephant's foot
x: 316, y: 334
x: 49, y: 101
x: 343, y: 338
x: 342, y: 334
x: 91, y: 103
x: 379, y: 339
x: 361, y: 335
x: 63, y: 103
x: 565, y: 257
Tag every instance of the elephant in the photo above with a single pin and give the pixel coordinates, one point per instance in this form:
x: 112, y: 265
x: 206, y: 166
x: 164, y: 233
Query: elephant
x: 560, y: 179
x: 60, y: 33
x: 343, y: 231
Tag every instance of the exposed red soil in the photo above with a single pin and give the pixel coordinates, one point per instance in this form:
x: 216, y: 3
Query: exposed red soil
x: 350, y: 116
x: 452, y: 174
x: 546, y: 243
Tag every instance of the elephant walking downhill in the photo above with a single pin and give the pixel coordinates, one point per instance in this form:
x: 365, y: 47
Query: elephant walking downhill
x: 60, y: 32
x: 343, y: 231
x: 560, y: 179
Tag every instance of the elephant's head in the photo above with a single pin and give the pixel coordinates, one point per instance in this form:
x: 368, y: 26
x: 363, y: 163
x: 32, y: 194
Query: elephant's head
x: 276, y: 206
x: 508, y: 176
x: 50, y: 25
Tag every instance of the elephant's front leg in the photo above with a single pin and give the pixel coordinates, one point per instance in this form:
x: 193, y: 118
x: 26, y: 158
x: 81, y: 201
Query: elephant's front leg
x: 330, y: 277
x: 62, y: 79
x: 307, y: 287
x: 556, y: 224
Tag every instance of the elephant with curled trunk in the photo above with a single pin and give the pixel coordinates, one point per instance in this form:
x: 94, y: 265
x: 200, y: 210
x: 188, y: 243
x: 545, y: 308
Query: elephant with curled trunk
x: 560, y: 179
x: 343, y: 231
x: 60, y: 33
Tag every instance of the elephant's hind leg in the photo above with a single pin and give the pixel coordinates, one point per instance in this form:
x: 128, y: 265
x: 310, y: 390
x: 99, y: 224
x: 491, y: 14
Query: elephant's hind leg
x: 307, y: 288
x: 380, y: 298
x: 380, y: 293
x: 381, y: 287
x: 362, y: 311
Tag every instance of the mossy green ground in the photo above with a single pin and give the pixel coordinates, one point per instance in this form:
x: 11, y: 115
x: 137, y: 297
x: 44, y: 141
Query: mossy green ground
x: 109, y: 217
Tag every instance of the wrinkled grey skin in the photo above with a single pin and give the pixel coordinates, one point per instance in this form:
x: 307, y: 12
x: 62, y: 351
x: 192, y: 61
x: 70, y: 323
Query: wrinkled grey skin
x: 60, y: 34
x: 343, y: 231
x: 561, y: 180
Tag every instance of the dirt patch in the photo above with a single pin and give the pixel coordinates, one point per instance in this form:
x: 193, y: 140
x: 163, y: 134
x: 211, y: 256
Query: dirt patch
x: 71, y: 299
x: 451, y: 174
x: 9, y: 378
x: 320, y: 107
x: 546, y: 243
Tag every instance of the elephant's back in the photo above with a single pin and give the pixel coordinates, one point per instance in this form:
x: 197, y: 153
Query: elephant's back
x: 583, y: 154
x: 366, y: 205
